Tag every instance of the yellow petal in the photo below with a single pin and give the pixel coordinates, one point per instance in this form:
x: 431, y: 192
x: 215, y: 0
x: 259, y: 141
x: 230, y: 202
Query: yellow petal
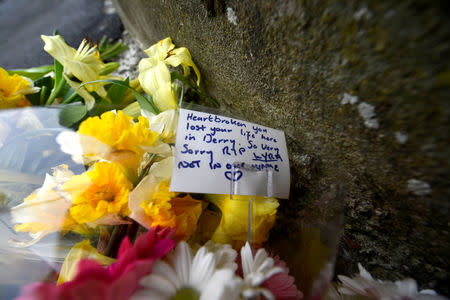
x: 99, y: 192
x: 183, y: 56
x: 233, y: 228
x: 84, y: 63
x: 154, y: 77
x: 78, y: 252
x: 56, y: 47
x: 159, y: 50
x: 46, y: 210
x: 164, y: 123
x: 89, y: 100
x: 13, y: 90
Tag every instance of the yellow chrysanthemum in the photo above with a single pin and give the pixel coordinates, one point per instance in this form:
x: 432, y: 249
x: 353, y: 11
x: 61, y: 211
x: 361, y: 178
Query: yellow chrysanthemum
x: 100, y: 193
x: 13, y: 90
x: 233, y: 228
x: 166, y: 210
x: 154, y: 75
x: 119, y: 131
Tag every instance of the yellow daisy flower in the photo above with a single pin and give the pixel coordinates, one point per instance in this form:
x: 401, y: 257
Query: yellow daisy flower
x: 112, y: 136
x: 99, y: 196
x: 152, y: 204
x: 13, y: 90
x: 119, y: 131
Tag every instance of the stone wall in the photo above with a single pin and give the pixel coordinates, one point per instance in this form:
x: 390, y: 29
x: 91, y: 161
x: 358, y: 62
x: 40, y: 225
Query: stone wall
x: 361, y: 89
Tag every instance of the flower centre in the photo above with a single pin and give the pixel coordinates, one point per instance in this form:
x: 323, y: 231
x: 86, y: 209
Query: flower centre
x: 186, y: 293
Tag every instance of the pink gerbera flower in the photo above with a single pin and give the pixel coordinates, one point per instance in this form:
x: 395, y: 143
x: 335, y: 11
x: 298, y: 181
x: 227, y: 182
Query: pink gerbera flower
x: 281, y: 284
x: 266, y: 276
x: 118, y: 281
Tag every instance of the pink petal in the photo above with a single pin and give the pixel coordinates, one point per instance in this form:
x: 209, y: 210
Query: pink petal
x: 116, y: 282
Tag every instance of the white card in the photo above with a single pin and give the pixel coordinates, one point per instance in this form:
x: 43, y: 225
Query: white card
x: 222, y: 155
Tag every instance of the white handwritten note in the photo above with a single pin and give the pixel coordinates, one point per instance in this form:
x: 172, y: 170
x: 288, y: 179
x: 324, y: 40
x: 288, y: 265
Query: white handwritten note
x: 222, y: 155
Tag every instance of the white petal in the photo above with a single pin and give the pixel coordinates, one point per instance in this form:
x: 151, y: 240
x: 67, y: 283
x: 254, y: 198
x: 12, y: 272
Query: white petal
x: 223, y: 285
x: 363, y: 272
x: 165, y: 270
x: 182, y: 262
x: 203, y: 266
x: 247, y: 259
x: 159, y: 284
x: 147, y: 295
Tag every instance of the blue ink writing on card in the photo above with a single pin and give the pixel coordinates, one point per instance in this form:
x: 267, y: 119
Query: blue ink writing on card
x: 214, y: 118
x: 267, y: 157
x: 247, y: 134
x: 211, y: 151
x: 218, y: 129
x: 257, y: 129
x: 189, y: 137
x: 186, y: 164
x: 195, y: 127
x: 251, y: 145
x: 269, y: 139
x: 269, y: 148
x: 233, y: 176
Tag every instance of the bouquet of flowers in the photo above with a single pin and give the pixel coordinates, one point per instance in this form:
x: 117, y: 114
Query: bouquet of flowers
x: 140, y: 240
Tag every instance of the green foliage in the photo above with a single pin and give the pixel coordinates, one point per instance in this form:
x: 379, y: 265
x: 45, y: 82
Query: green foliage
x: 46, y: 85
x: 116, y: 91
x: 32, y: 73
x: 146, y: 102
x: 59, y: 82
x: 72, y: 114
x: 184, y: 80
x: 108, y: 49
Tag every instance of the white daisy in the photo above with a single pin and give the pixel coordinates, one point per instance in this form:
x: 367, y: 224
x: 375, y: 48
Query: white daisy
x: 256, y: 270
x: 209, y: 275
x: 363, y: 284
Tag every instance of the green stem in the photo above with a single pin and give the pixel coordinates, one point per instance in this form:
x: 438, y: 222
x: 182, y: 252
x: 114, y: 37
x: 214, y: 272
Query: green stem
x: 182, y: 95
x: 117, y: 234
x: 42, y: 95
x: 110, y: 52
x: 55, y: 92
x: 175, y: 75
x: 70, y: 99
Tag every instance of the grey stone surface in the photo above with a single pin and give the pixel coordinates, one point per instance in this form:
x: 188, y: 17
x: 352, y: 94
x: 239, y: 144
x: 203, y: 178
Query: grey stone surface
x: 342, y: 79
x: 22, y: 22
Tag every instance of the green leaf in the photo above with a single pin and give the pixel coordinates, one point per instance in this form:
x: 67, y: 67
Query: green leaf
x: 71, y: 96
x: 110, y: 51
x: 102, y: 44
x: 109, y: 68
x: 116, y: 92
x: 72, y: 114
x: 35, y: 99
x: 58, y: 72
x: 101, y: 106
x: 59, y: 83
x: 176, y: 75
x: 32, y: 73
x: 145, y: 102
